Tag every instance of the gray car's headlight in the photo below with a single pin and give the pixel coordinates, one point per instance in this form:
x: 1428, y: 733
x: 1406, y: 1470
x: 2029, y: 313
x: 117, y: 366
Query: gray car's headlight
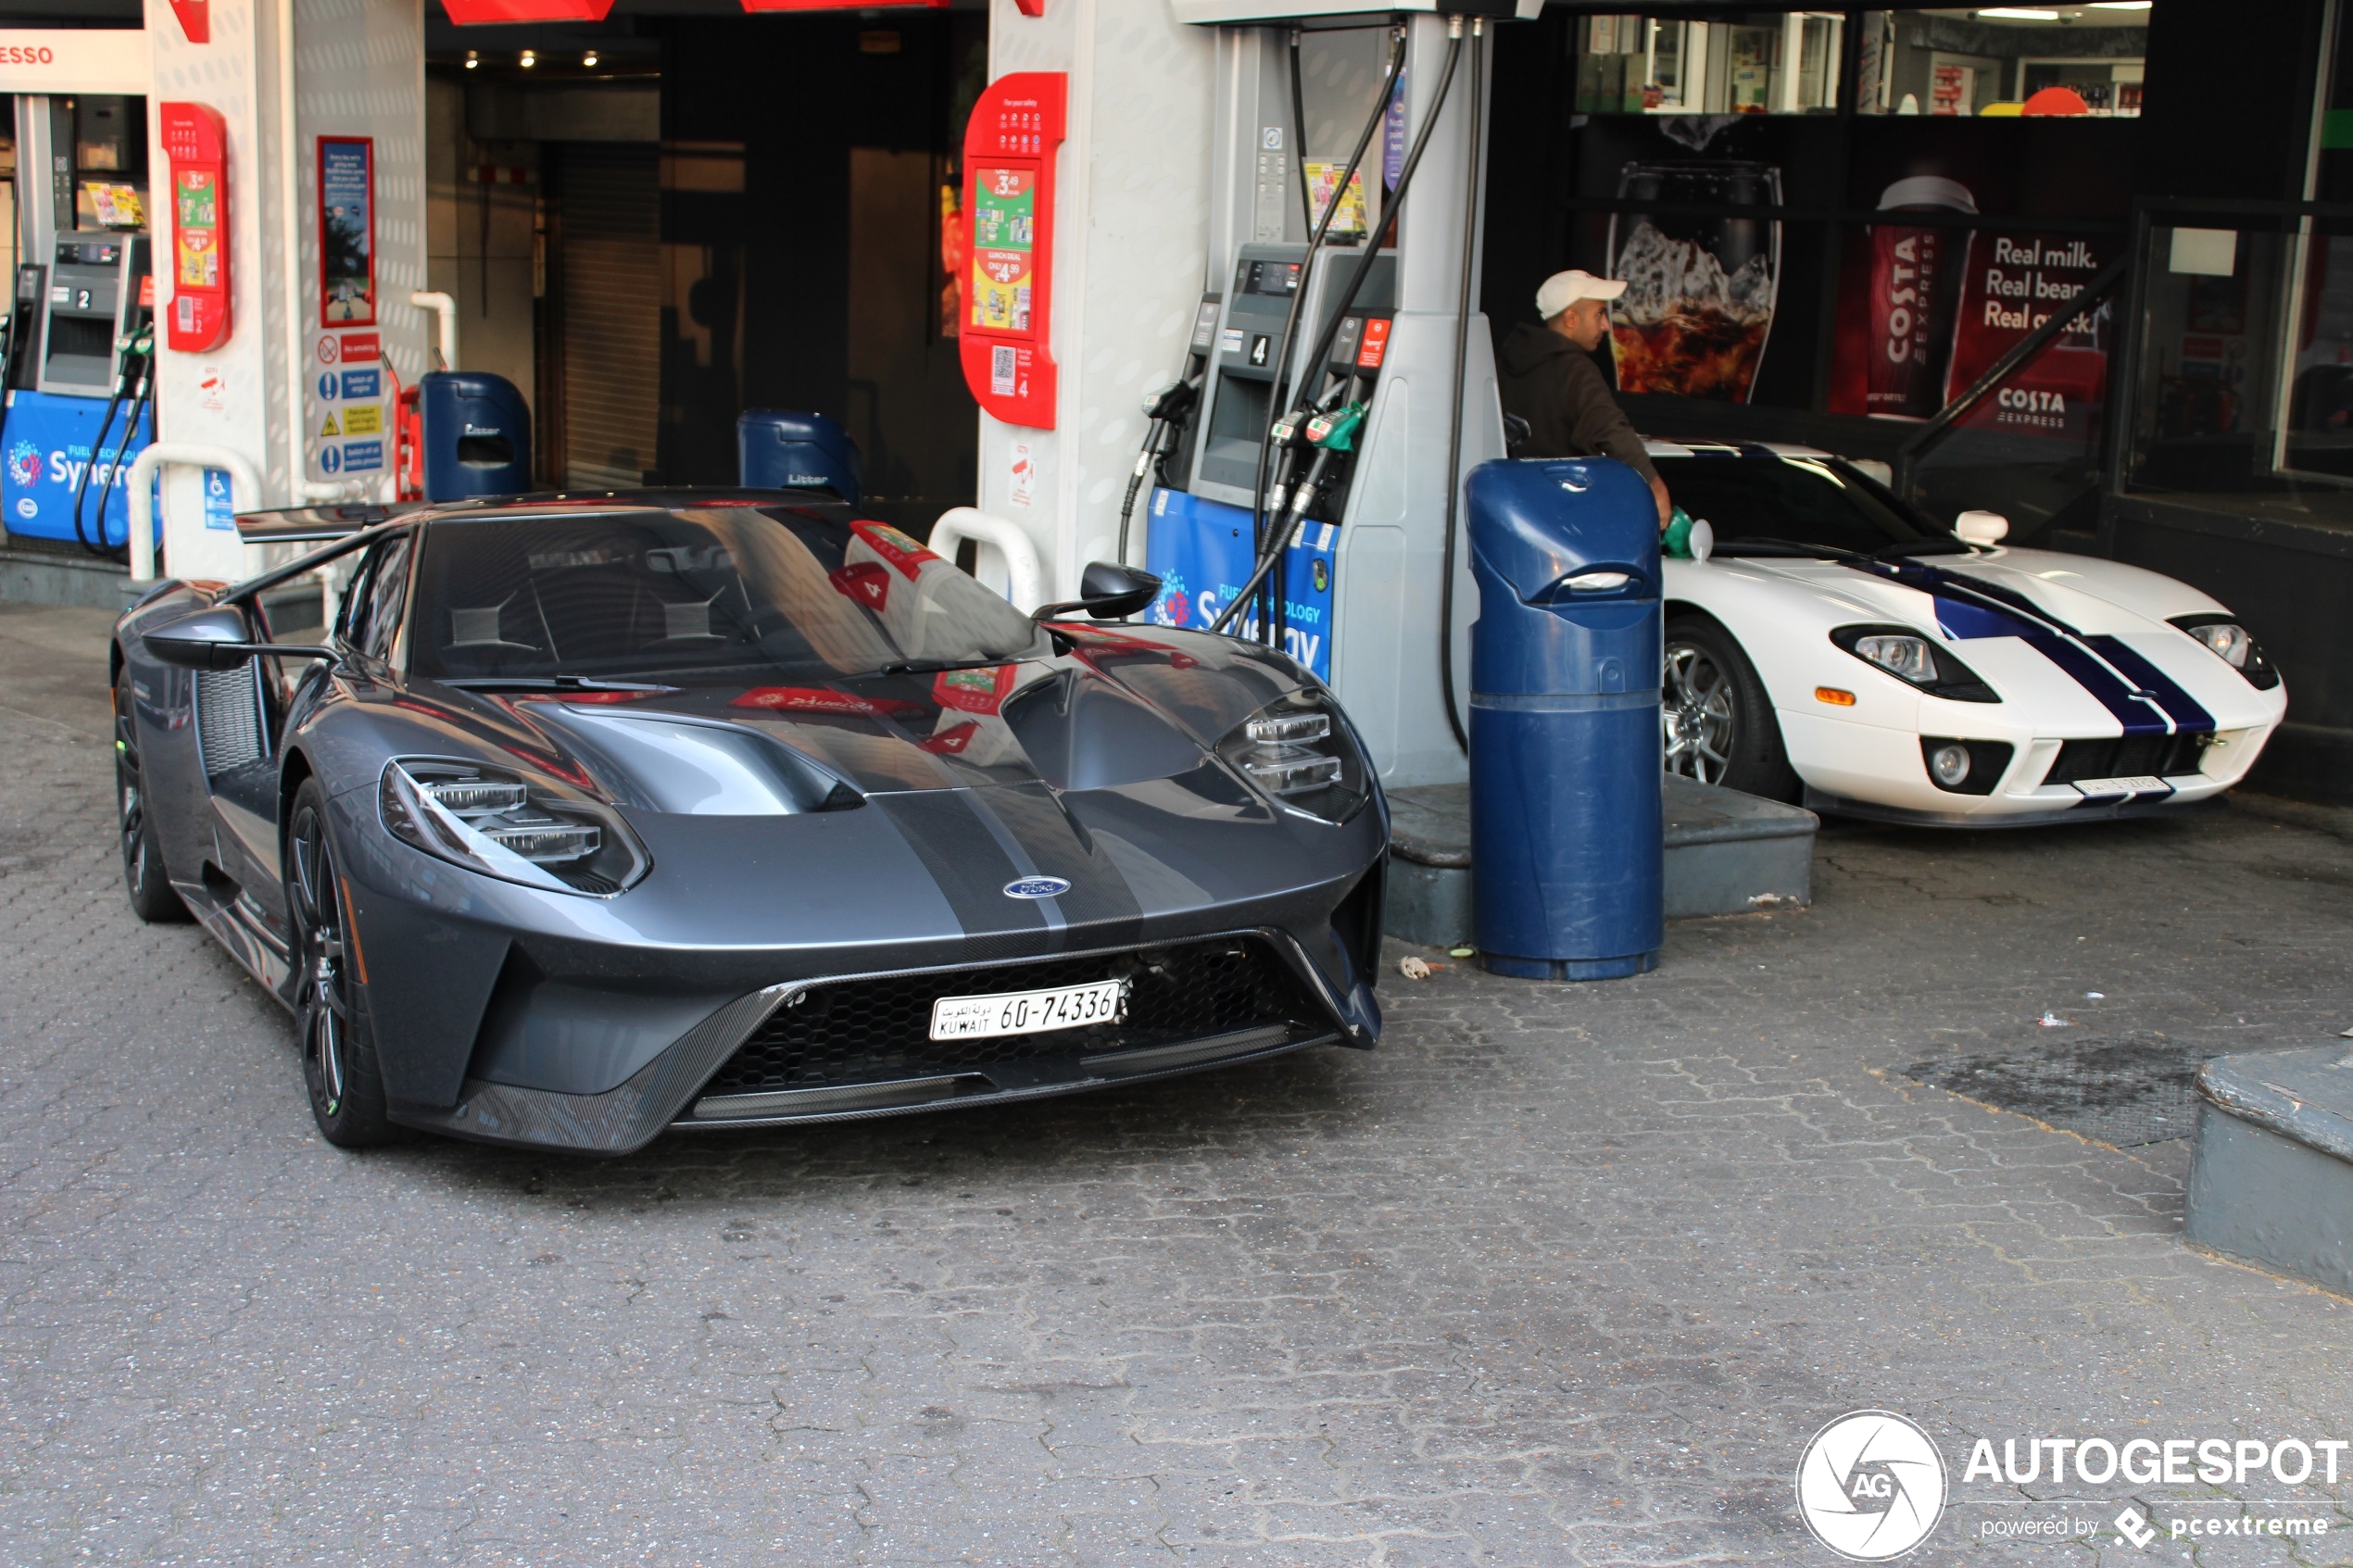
x: 497, y: 823
x: 1298, y: 750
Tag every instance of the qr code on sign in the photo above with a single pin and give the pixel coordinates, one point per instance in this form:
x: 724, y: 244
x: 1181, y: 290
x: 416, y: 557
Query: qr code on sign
x: 1000, y: 370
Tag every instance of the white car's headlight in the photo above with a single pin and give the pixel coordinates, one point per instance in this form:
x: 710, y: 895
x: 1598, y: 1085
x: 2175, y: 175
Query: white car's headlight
x: 2229, y: 641
x: 1909, y: 657
x: 1915, y: 660
x: 495, y: 822
x: 1298, y: 751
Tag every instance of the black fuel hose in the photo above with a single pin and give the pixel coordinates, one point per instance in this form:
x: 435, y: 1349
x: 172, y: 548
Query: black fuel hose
x: 134, y: 367
x: 139, y: 400
x: 1455, y: 423
x: 82, y: 487
x: 1299, y: 141
x: 1280, y: 391
x: 1272, y: 550
x: 1271, y: 619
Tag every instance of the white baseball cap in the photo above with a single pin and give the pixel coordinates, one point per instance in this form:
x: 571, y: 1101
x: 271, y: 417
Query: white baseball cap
x: 1564, y: 289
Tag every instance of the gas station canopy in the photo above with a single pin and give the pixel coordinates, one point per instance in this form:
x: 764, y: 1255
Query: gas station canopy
x: 476, y: 13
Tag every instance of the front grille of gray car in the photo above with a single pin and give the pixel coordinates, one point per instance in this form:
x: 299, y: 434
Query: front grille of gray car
x: 879, y: 1030
x: 228, y: 718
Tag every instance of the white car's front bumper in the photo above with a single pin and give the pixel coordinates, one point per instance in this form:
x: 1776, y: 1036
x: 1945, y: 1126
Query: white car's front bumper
x: 1866, y: 769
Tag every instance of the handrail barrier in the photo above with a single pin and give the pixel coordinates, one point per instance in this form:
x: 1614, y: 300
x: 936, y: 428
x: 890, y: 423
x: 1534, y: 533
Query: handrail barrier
x: 244, y: 493
x: 1025, y: 579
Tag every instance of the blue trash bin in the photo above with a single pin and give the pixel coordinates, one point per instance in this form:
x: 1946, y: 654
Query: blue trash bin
x: 778, y: 450
x: 1566, y: 853
x: 476, y: 431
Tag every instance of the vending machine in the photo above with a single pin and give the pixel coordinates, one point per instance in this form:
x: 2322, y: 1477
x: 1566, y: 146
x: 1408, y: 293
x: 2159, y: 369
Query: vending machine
x: 1350, y: 382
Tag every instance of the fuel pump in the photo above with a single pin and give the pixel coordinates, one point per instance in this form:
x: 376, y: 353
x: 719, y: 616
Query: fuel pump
x: 1313, y: 499
x: 1169, y: 413
x: 80, y: 355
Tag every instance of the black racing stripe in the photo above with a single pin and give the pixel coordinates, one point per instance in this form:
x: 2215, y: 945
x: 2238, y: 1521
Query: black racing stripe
x: 2188, y: 714
x: 2138, y: 707
x: 1098, y: 894
x: 2137, y: 717
x: 964, y: 859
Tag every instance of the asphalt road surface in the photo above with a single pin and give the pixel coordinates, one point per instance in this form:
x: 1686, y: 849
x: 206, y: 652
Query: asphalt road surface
x: 1557, y: 1275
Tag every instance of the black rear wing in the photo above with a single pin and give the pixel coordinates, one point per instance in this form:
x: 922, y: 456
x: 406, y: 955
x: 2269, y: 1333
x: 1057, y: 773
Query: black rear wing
x: 295, y: 525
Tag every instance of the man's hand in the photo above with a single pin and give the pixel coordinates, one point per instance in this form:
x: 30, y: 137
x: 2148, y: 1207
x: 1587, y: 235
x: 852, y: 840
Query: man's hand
x: 1666, y: 507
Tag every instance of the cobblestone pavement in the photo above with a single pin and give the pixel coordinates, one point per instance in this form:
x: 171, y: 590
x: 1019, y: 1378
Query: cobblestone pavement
x: 1557, y: 1275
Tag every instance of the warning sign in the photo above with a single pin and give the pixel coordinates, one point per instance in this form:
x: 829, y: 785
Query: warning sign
x: 346, y: 399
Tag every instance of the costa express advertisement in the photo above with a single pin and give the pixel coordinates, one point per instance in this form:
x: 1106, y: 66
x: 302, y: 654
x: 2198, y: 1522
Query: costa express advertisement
x: 1926, y: 304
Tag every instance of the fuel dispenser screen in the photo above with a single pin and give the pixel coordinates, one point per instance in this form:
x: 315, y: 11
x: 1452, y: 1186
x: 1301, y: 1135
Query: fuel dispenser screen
x: 1277, y: 278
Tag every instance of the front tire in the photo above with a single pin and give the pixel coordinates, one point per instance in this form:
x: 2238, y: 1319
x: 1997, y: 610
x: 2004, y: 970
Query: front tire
x: 338, y: 1048
x: 144, y: 877
x: 1718, y: 720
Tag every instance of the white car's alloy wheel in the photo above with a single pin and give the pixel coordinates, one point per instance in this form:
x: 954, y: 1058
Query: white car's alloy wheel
x: 1697, y: 714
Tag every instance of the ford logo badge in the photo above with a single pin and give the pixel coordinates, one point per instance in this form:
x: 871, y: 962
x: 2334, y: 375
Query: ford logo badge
x: 1037, y: 887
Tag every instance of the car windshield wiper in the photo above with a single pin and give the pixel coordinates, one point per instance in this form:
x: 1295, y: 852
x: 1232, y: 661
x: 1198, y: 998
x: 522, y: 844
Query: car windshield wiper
x: 1746, y: 546
x: 1753, y: 546
x: 933, y: 666
x: 550, y: 683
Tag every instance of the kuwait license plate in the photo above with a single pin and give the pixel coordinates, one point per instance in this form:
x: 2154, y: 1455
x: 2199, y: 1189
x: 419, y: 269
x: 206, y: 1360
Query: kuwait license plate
x: 1028, y: 1012
x: 2140, y: 784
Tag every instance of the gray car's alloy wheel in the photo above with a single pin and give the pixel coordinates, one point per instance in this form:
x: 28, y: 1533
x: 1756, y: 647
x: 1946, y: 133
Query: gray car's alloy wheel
x: 143, y: 878
x: 1718, y: 720
x: 338, y: 1049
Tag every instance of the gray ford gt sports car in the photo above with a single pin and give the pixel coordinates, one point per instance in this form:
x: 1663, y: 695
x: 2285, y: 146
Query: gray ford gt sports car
x: 592, y: 817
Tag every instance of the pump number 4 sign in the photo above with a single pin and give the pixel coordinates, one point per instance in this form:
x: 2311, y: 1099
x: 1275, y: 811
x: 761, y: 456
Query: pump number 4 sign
x: 1005, y: 328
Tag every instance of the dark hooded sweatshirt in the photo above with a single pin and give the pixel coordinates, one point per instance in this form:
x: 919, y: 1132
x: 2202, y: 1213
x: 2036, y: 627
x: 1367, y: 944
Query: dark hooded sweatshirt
x: 1556, y: 386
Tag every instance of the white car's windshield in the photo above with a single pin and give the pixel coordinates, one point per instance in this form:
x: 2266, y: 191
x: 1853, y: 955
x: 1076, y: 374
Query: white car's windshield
x: 1797, y: 506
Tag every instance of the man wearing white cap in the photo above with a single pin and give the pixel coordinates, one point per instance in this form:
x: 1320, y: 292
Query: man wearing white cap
x: 1549, y: 380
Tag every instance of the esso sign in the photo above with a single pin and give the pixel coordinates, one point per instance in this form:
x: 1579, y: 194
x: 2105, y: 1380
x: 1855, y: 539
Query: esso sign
x: 98, y: 59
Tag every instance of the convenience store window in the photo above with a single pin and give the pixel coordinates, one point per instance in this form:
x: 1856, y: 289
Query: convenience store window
x: 2086, y: 58
x: 1762, y: 62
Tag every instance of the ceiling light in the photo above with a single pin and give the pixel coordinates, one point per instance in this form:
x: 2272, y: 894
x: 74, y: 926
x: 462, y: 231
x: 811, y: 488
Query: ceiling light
x: 530, y: 59
x: 589, y: 58
x: 2018, y: 14
x: 472, y: 59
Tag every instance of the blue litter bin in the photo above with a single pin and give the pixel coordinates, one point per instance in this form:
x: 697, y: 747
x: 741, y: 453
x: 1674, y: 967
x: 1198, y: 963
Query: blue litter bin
x: 1566, y: 853
x: 476, y: 431
x: 778, y: 450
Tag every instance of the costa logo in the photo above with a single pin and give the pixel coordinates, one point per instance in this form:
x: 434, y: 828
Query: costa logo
x: 20, y: 55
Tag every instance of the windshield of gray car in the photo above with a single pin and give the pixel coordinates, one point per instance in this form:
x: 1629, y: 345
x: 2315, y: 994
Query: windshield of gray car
x: 719, y: 590
x: 1758, y: 505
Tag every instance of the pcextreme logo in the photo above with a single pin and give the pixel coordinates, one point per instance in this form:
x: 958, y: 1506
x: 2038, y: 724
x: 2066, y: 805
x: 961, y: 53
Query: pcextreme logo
x: 1870, y: 1486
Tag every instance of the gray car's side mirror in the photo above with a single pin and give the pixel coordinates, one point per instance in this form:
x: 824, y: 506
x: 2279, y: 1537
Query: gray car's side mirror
x: 1107, y: 591
x: 215, y: 639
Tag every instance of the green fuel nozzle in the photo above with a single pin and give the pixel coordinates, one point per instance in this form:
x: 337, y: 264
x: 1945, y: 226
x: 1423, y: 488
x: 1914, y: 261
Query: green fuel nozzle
x: 1336, y: 432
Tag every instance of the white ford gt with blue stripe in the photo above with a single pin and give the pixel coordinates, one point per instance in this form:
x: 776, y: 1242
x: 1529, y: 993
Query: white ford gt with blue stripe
x: 1834, y: 646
